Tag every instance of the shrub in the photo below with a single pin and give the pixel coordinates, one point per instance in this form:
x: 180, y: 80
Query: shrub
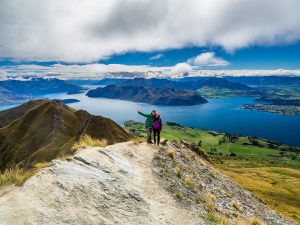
x: 232, y: 154
x: 200, y: 143
x: 229, y: 195
x: 197, y: 200
x: 179, y: 172
x: 179, y: 195
x: 171, y: 154
x: 236, y: 206
x: 190, y: 182
x: 213, y: 217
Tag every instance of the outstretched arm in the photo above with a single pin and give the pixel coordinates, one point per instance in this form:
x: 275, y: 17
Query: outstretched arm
x: 143, y: 114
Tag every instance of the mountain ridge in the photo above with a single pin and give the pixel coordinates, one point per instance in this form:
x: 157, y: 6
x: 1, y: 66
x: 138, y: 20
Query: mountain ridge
x: 158, y: 96
x: 42, y: 130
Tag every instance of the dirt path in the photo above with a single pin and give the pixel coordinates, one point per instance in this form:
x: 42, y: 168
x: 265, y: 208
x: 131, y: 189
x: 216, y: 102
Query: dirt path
x: 163, y: 208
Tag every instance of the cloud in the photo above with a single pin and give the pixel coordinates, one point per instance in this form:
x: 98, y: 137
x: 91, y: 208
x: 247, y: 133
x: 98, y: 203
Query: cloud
x: 158, y: 56
x: 86, y: 31
x: 207, y: 59
x: 100, y: 71
x: 181, y: 69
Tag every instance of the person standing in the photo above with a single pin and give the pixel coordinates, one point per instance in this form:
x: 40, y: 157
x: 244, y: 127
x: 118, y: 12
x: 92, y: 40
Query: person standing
x: 157, y: 126
x: 148, y: 124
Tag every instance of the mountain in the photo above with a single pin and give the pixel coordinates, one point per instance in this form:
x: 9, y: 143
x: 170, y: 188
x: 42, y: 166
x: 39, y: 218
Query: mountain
x: 190, y: 84
x: 39, y: 86
x: 133, y: 183
x: 7, y: 116
x: 42, y: 130
x: 109, y: 81
x: 8, y: 97
x: 215, y: 82
x: 154, y: 96
x: 266, y: 80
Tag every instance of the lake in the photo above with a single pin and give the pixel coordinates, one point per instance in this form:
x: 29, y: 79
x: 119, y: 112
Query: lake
x: 219, y: 114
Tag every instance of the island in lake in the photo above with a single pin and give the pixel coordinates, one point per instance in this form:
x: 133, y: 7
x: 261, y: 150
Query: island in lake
x: 154, y: 96
x: 281, y: 109
x: 67, y: 100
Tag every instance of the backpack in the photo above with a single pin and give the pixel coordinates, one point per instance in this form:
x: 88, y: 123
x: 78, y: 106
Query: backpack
x: 156, y: 124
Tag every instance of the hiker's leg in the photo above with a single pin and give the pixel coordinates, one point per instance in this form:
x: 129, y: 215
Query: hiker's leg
x: 158, y: 137
x: 154, y: 135
x: 150, y: 136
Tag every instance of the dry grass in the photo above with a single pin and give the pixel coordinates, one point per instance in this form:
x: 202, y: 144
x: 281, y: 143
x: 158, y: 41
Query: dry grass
x: 251, y: 221
x: 15, y: 176
x: 138, y: 140
x: 236, y: 206
x: 88, y: 141
x: 171, y: 153
x: 278, y: 187
x: 211, y: 198
x: 217, y: 218
x: 41, y: 165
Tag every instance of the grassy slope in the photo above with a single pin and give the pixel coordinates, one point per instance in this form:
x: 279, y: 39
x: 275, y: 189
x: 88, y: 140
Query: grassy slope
x: 49, y: 131
x: 264, y: 171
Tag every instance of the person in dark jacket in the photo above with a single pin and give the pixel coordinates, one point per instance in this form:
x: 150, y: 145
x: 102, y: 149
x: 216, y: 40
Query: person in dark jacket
x: 149, y: 124
x: 157, y: 126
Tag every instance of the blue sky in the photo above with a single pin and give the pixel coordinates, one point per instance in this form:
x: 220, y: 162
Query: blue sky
x: 271, y: 57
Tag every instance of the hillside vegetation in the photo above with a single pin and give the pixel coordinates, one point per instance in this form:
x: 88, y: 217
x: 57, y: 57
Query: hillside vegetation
x: 42, y: 130
x: 269, y: 169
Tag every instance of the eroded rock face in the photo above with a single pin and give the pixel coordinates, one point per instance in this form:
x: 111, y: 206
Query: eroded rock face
x: 183, y: 170
x: 128, y: 183
x: 114, y: 185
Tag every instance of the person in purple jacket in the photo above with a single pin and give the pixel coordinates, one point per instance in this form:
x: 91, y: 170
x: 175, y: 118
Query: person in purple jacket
x: 157, y: 126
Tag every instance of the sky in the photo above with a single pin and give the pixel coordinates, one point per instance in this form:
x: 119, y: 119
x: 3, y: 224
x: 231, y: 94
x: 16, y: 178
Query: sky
x: 97, y: 38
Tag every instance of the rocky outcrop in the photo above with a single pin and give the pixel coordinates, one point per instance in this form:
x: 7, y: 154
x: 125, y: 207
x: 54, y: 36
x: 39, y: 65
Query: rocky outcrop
x: 130, y: 183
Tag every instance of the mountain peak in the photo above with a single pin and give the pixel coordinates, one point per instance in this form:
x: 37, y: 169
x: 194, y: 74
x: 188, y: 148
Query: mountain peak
x: 42, y: 130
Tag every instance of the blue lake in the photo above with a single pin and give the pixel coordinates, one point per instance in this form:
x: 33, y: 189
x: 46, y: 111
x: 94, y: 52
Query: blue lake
x: 219, y: 114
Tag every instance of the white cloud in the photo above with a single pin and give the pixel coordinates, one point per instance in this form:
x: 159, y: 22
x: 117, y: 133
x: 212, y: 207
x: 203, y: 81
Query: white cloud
x: 157, y: 56
x: 207, y: 59
x: 86, y: 31
x: 181, y: 69
x: 99, y: 71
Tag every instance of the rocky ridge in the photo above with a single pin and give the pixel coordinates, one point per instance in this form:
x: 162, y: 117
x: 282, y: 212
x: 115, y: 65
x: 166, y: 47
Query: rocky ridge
x: 132, y: 183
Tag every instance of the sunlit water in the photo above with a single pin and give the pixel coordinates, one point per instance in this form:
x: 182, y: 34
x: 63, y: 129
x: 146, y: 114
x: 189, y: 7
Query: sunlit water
x: 219, y: 114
